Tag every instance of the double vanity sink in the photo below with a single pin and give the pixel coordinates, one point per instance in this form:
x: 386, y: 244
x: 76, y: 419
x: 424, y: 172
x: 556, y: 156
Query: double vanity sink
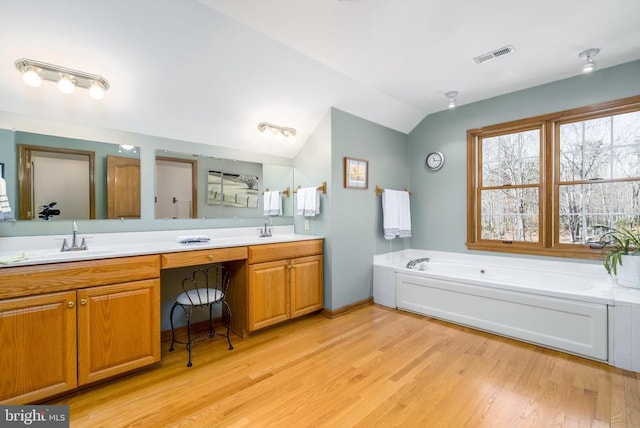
x: 30, y: 250
x: 78, y: 317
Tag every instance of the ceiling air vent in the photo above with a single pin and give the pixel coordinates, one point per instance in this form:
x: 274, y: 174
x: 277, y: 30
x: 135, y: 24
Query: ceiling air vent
x: 494, y: 54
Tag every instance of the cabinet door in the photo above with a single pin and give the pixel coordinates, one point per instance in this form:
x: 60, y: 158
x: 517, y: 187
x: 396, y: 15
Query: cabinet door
x: 268, y: 299
x: 306, y: 285
x: 38, y: 339
x: 118, y: 329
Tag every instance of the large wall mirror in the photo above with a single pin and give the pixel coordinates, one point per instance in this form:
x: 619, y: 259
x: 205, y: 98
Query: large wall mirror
x: 60, y: 178
x: 54, y: 179
x: 198, y: 186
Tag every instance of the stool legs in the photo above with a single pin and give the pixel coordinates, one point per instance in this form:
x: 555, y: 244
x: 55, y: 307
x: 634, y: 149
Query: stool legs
x: 226, y: 305
x: 188, y: 312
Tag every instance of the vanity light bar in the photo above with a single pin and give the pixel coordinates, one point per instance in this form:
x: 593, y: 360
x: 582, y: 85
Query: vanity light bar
x: 94, y: 83
x: 271, y: 130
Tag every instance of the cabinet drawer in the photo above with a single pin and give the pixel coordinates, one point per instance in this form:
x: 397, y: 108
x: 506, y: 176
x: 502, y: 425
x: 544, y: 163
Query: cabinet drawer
x: 202, y: 257
x: 46, y: 278
x: 283, y: 251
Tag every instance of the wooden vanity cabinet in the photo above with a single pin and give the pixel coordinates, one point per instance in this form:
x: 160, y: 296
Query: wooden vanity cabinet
x: 118, y: 329
x: 38, y: 340
x: 80, y: 322
x: 285, y: 281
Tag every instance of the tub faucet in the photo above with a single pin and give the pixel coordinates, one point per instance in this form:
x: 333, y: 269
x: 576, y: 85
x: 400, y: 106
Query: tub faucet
x: 414, y: 262
x: 74, y: 240
x: 266, y: 232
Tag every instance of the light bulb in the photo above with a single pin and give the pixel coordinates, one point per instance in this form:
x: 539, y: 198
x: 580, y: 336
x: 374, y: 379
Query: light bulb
x: 66, y: 85
x: 31, y: 77
x: 589, y: 66
x: 96, y: 91
x: 451, y: 95
x: 587, y: 55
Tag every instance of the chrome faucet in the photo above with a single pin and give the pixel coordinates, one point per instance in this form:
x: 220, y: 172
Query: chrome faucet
x: 74, y: 240
x: 266, y: 232
x: 414, y: 262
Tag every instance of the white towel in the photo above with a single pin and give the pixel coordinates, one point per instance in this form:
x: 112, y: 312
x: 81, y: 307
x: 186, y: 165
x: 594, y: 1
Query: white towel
x: 396, y: 214
x: 301, y: 195
x: 390, y: 213
x: 308, y: 201
x: 404, y: 215
x: 272, y: 203
x: 5, y: 209
x: 192, y: 239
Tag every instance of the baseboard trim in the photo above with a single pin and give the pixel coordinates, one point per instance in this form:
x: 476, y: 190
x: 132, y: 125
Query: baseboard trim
x: 349, y: 308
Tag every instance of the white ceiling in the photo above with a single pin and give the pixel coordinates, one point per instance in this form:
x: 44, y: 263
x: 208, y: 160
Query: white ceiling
x: 209, y: 71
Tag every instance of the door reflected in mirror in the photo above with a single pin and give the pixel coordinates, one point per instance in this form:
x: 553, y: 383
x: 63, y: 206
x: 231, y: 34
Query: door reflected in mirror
x: 71, y: 179
x: 55, y: 183
x: 176, y: 187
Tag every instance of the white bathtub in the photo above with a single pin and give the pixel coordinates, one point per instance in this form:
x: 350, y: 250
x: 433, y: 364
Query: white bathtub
x: 561, y: 305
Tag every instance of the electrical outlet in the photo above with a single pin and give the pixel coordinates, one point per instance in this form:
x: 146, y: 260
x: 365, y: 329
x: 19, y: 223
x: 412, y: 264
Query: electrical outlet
x: 306, y: 224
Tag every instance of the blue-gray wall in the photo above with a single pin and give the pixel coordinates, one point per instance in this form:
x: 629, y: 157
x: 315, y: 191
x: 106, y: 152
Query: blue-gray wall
x: 312, y: 166
x: 438, y: 201
x: 356, y: 225
x: 350, y: 220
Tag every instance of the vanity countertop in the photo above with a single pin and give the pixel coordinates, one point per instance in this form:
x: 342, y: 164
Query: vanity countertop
x: 34, y: 250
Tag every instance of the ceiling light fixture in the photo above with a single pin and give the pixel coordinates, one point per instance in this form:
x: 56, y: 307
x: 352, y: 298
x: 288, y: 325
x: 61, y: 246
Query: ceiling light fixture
x: 587, y: 55
x: 452, y: 98
x: 278, y: 132
x: 34, y: 72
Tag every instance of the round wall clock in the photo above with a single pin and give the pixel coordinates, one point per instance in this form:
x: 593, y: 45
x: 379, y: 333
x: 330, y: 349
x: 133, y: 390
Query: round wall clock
x: 435, y: 161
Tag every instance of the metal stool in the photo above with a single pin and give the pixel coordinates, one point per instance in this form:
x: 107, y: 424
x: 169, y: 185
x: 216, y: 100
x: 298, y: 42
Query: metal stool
x: 205, y: 287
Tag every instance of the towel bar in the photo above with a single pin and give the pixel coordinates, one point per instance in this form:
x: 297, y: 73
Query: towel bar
x: 322, y: 188
x: 380, y: 190
x: 286, y: 192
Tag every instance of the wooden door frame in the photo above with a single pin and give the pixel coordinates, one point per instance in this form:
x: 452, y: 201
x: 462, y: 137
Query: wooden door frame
x: 25, y: 184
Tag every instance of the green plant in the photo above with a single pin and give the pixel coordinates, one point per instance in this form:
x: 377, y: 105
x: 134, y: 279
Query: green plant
x: 617, y: 243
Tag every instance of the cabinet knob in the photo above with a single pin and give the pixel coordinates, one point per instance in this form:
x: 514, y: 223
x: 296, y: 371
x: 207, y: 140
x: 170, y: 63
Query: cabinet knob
x: 210, y: 257
x: 70, y: 304
x: 289, y: 266
x: 83, y: 301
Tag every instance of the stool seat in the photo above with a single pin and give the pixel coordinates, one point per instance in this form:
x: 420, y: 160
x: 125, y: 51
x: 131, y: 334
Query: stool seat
x: 200, y: 296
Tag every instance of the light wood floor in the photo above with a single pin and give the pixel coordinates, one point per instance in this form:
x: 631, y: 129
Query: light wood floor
x: 370, y: 367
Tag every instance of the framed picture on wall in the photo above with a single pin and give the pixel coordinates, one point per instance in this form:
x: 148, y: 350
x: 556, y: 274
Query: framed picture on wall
x: 356, y: 173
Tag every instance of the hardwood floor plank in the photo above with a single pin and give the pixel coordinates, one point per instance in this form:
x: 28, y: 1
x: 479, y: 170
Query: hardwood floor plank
x: 373, y: 367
